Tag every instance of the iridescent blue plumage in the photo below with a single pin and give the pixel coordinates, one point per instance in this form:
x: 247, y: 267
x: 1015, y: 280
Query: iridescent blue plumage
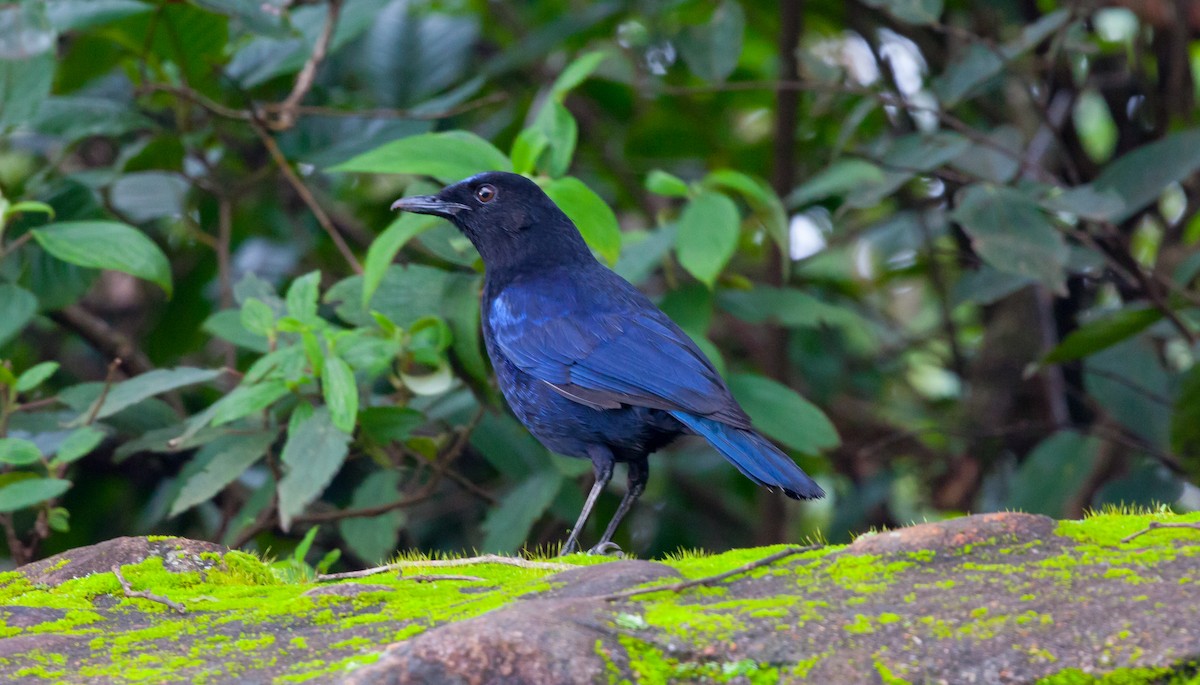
x: 586, y: 362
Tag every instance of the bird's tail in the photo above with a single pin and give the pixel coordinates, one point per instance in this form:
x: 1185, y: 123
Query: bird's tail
x: 754, y: 456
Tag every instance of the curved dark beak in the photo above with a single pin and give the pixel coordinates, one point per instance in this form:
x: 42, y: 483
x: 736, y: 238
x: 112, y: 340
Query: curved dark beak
x: 429, y: 204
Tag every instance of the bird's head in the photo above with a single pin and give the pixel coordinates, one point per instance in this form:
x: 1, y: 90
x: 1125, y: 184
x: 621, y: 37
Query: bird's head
x: 506, y: 216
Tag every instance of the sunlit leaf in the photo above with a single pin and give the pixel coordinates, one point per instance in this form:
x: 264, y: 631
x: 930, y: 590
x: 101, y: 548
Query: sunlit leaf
x: 78, y: 444
x: 448, y: 157
x: 130, y: 392
x: 576, y: 73
x: 707, y: 235
x: 558, y: 126
x: 591, y: 214
x: 248, y: 399
x: 30, y: 491
x: 19, y: 452
x: 660, y: 182
x: 340, y: 393
x: 35, y: 375
x: 106, y: 245
x: 302, y: 297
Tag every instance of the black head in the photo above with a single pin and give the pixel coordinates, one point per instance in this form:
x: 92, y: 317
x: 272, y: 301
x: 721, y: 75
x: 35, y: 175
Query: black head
x: 507, y: 217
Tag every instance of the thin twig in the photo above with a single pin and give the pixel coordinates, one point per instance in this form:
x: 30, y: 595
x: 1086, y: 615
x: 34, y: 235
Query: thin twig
x: 212, y: 106
x: 447, y: 563
x: 104, y: 338
x: 709, y: 580
x: 415, y: 114
x: 284, y: 114
x: 1155, y: 525
x: 109, y: 379
x: 146, y: 594
x: 306, y: 195
x: 430, y: 578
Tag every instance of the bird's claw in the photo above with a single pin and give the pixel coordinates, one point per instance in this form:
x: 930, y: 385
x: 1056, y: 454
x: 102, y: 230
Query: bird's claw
x: 607, y: 549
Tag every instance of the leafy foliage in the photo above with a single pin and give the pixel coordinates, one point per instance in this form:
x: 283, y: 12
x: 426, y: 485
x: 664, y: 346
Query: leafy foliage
x: 974, y: 256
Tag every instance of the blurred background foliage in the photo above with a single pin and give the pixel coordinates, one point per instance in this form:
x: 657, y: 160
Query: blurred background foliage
x: 964, y: 230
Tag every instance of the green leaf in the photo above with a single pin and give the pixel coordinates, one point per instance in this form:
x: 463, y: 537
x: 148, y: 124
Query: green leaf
x: 227, y: 325
x: 762, y: 200
x: 383, y: 425
x: 707, y: 235
x: 138, y: 388
x: 1103, y: 333
x: 35, y: 375
x: 448, y: 157
x: 837, y: 180
x: 917, y: 12
x: 257, y: 317
x: 712, y: 50
x: 17, y: 308
x: 313, y: 453
x: 216, y: 465
x: 341, y: 393
x: 106, y: 245
x: 508, y: 524
x: 19, y: 452
x: 662, y: 183
x: 782, y: 414
x: 436, y: 382
x: 796, y: 309
x: 59, y: 520
x: 1138, y: 178
x: 979, y: 63
x: 374, y: 538
x: 561, y: 131
x: 302, y: 297
x: 596, y: 221
x: 247, y: 399
x: 72, y: 15
x: 1129, y: 381
x: 30, y: 206
x: 30, y: 491
x: 384, y: 248
x: 576, y: 73
x: 78, y: 444
x: 527, y: 149
x: 1053, y: 473
x: 1012, y: 234
x: 1185, y: 421
x: 25, y: 82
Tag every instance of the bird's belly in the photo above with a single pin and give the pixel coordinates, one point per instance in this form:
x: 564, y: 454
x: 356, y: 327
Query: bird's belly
x: 568, y: 428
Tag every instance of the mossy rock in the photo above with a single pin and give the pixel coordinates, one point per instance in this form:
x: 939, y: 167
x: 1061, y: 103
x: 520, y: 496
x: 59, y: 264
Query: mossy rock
x: 1001, y: 598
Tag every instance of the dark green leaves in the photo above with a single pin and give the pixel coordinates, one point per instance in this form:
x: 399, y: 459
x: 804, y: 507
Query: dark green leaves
x: 911, y: 11
x: 509, y: 523
x: 711, y: 50
x: 19, y: 452
x: 17, y: 307
x: 216, y: 465
x: 448, y: 157
x: 312, y: 455
x: 1102, y: 333
x: 782, y: 414
x: 707, y: 235
x: 1010, y: 232
x: 106, y: 245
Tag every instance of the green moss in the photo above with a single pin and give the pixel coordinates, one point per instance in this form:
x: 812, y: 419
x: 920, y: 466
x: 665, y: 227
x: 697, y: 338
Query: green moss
x: 1110, y: 527
x: 886, y: 676
x: 1121, y: 676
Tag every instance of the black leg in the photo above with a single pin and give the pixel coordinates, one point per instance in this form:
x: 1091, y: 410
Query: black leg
x: 639, y: 473
x: 602, y: 464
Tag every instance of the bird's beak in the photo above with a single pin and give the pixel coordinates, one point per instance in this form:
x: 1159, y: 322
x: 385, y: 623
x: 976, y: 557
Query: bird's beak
x: 429, y: 204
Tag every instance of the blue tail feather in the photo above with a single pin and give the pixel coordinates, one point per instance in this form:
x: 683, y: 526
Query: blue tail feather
x: 754, y: 456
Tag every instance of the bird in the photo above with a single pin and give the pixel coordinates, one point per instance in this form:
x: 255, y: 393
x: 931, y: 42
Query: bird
x: 587, y: 363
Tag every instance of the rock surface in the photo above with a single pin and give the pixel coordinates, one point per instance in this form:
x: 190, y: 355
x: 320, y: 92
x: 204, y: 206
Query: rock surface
x: 1001, y: 598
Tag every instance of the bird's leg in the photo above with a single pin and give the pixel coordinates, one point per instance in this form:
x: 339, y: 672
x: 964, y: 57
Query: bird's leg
x: 602, y: 464
x: 639, y: 473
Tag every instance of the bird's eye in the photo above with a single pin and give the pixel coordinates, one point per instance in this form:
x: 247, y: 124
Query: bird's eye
x: 485, y: 193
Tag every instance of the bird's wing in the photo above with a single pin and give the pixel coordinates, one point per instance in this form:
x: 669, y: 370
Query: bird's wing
x: 608, y: 348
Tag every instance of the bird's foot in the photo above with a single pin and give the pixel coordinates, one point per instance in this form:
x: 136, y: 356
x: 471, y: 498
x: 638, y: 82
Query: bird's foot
x: 607, y: 549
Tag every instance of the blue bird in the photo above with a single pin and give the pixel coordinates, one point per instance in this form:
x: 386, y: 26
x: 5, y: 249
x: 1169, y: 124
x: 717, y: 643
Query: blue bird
x: 587, y: 362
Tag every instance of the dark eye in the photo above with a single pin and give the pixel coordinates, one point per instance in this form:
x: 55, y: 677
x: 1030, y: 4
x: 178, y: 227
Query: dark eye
x: 485, y: 193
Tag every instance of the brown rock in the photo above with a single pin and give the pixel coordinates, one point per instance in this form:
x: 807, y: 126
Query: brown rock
x: 1005, y: 527
x: 179, y: 555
